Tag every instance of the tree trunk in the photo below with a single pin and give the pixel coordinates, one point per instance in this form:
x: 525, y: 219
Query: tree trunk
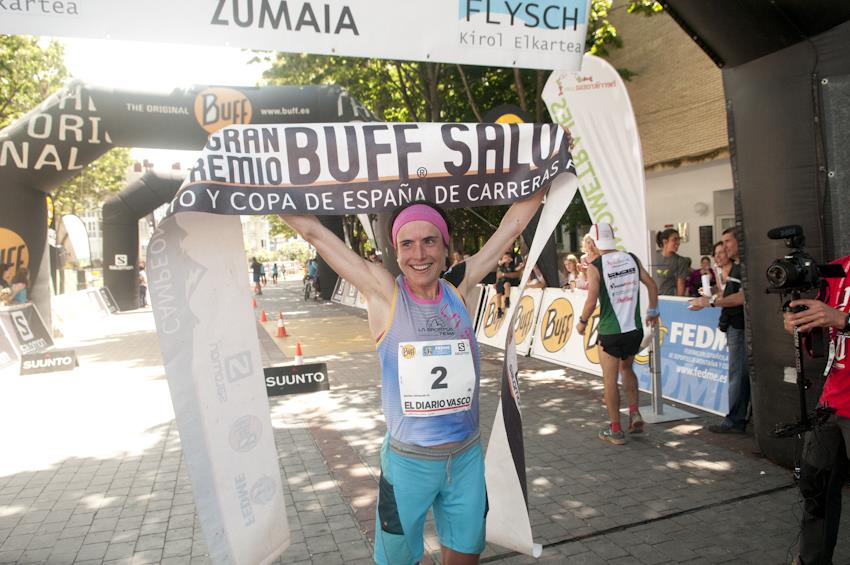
x: 539, y: 105
x: 469, y: 96
x: 520, y: 89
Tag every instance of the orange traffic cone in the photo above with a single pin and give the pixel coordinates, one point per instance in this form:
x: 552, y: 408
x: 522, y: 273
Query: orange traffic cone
x: 281, y: 329
x: 299, y: 355
x: 263, y: 316
x: 253, y: 303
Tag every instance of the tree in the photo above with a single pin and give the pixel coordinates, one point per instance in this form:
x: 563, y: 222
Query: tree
x: 98, y: 181
x: 29, y: 73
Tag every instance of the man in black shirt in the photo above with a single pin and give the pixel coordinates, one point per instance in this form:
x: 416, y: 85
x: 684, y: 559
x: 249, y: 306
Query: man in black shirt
x: 732, y: 322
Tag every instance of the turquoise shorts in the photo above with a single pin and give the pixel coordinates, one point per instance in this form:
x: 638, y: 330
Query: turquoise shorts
x: 414, y: 479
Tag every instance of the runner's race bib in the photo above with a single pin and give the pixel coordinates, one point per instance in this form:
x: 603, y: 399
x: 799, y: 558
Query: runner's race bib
x: 435, y: 377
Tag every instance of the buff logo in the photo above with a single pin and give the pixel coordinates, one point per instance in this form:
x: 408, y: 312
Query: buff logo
x: 591, y: 338
x: 551, y: 14
x: 216, y: 108
x: 524, y: 319
x: 492, y: 322
x: 13, y: 250
x: 408, y: 351
x: 291, y: 16
x: 556, y: 325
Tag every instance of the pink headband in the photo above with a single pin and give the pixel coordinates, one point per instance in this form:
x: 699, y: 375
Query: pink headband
x: 423, y: 213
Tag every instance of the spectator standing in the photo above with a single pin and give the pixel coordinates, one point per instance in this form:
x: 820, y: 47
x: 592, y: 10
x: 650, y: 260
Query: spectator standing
x: 588, y: 254
x: 669, y: 270
x: 722, y: 266
x: 572, y: 276
x: 256, y: 273
x: 732, y: 322
x: 694, y: 283
x: 143, y: 287
x: 614, y: 280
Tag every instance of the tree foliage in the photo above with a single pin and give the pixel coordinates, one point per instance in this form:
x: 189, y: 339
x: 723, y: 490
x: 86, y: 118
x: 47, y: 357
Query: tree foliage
x: 97, y: 181
x: 29, y: 73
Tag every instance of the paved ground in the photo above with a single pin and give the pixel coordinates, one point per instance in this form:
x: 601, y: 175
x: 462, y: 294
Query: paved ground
x: 91, y: 468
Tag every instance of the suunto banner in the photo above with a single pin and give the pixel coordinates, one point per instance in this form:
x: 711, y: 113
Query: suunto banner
x: 540, y: 34
x: 196, y: 262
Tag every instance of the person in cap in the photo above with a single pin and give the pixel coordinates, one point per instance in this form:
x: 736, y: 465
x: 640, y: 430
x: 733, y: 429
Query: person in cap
x: 614, y: 279
x: 430, y: 371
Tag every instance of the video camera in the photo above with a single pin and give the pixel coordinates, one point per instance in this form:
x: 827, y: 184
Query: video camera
x: 798, y: 271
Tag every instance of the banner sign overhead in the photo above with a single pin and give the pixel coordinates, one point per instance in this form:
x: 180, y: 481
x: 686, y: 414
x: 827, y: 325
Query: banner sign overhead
x: 339, y: 169
x: 545, y: 34
x: 196, y: 261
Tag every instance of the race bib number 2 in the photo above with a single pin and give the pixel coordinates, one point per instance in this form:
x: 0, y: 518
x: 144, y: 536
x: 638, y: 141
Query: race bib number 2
x: 435, y: 377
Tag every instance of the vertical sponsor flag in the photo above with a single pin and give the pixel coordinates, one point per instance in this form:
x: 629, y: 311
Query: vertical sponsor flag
x: 196, y: 263
x: 508, y: 523
x: 594, y: 104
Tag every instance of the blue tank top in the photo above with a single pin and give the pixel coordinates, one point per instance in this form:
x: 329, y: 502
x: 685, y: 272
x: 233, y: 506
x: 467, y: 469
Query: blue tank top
x: 413, y: 319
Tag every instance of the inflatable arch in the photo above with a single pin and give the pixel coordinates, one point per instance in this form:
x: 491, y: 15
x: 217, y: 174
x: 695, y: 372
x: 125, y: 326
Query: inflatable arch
x: 79, y: 123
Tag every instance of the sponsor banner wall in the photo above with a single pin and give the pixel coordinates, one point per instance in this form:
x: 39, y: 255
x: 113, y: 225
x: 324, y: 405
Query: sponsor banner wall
x: 694, y: 357
x: 547, y: 34
x: 555, y: 338
x: 527, y: 309
x: 493, y: 330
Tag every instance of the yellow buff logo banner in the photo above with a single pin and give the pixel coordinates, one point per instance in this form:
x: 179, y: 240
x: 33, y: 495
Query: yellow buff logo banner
x: 196, y: 262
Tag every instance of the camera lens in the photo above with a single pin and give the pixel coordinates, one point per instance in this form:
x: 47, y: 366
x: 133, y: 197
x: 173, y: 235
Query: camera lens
x: 782, y: 274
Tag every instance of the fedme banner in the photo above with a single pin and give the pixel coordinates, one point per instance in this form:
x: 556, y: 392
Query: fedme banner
x: 694, y: 357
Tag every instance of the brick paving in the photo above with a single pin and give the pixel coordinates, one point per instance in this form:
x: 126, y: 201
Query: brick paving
x: 92, y: 469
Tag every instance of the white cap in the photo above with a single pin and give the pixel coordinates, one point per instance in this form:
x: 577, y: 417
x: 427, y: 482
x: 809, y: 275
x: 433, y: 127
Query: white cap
x: 602, y: 235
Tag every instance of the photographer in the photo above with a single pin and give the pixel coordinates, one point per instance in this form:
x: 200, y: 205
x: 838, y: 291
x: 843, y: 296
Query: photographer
x: 826, y: 448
